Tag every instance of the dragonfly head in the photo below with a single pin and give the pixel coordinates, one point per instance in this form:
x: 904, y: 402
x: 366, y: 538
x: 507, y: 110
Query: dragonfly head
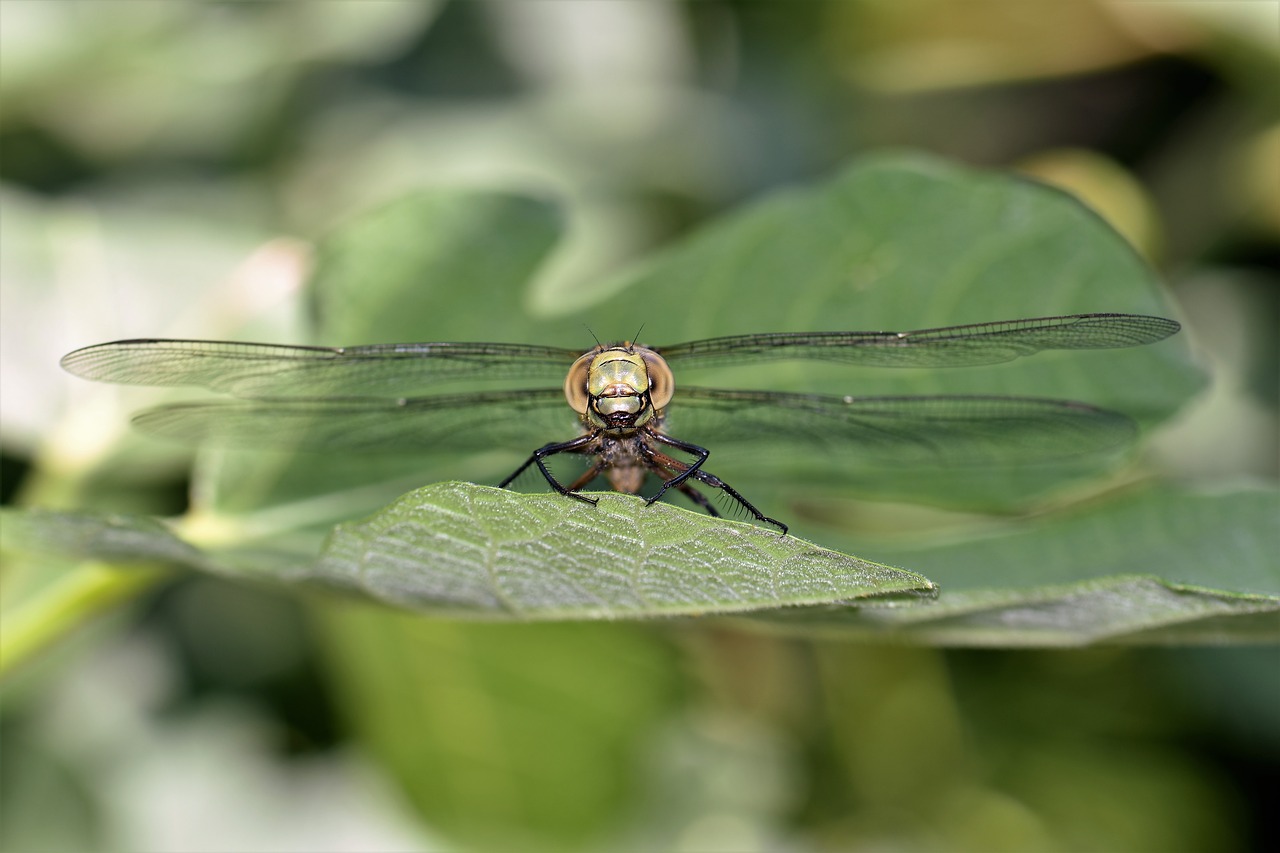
x: 618, y: 388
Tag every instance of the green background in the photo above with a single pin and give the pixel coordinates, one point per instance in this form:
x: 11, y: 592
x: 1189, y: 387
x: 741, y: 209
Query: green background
x: 492, y: 171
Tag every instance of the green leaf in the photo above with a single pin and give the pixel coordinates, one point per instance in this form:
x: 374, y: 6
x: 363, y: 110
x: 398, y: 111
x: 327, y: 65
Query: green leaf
x: 517, y: 557
x: 894, y: 242
x: 506, y: 737
x: 55, y: 580
x: 416, y: 269
x: 905, y: 242
x: 419, y: 265
x: 908, y: 242
x: 95, y: 535
x: 1159, y: 566
x: 461, y: 549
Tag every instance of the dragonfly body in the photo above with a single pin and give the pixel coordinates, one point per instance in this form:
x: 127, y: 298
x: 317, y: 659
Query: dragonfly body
x: 620, y: 393
x: 391, y: 397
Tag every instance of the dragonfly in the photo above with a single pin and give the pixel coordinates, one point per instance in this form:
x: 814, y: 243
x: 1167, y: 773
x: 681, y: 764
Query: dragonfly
x: 622, y: 400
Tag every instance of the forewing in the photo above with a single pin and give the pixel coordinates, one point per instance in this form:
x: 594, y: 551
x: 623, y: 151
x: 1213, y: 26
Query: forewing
x: 953, y: 346
x: 275, y: 370
x: 523, y: 420
x: 950, y: 431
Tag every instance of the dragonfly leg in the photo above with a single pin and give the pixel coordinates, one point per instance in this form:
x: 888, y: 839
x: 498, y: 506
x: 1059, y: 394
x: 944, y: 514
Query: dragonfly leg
x: 661, y: 462
x: 699, y: 498
x: 716, y: 483
x: 667, y: 468
x: 577, y: 445
x: 689, y: 470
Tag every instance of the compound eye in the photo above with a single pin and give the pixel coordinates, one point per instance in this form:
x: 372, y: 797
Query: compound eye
x: 661, y: 384
x: 575, y: 384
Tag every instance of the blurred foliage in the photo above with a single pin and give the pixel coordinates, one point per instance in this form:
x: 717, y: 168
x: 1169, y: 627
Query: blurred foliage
x: 157, y: 161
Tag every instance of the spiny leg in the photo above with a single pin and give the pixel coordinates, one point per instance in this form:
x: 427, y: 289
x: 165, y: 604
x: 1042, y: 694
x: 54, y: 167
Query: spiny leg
x: 688, y: 470
x: 577, y: 445
x: 660, y: 463
x: 698, y: 498
x: 716, y: 483
x: 667, y: 471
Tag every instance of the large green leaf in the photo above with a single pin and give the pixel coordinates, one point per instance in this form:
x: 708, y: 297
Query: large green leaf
x: 896, y: 242
x: 907, y: 242
x: 460, y: 549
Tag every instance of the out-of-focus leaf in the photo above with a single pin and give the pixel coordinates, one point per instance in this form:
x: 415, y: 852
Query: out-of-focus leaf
x: 469, y: 550
x: 430, y: 262
x: 900, y: 733
x: 894, y: 242
x: 1258, y: 179
x: 509, y: 737
x: 1120, y: 609
x: 56, y: 573
x: 1156, y: 567
x: 901, y: 242
x: 161, y: 252
x: 932, y: 44
x: 95, y: 536
x: 119, y: 79
x: 412, y: 270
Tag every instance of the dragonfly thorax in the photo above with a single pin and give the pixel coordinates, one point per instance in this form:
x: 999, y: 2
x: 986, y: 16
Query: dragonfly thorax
x: 618, y: 388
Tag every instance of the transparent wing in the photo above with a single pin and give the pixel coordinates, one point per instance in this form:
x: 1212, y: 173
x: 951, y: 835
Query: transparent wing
x: 947, y: 431
x: 522, y: 420
x: 274, y: 370
x: 919, y: 431
x: 953, y: 346
x: 407, y: 370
